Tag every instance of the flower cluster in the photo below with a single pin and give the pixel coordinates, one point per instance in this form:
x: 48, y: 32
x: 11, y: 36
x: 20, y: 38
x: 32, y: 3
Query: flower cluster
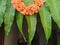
x: 27, y: 10
x: 39, y: 2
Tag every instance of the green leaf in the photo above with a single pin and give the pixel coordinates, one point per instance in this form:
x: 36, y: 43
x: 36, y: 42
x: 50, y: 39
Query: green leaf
x: 28, y: 2
x: 0, y: 1
x: 2, y: 10
x: 31, y: 21
x: 9, y: 17
x: 19, y: 19
x: 54, y: 6
x: 46, y: 22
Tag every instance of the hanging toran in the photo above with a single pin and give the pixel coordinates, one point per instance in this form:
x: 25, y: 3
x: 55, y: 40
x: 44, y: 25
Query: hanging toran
x: 27, y: 10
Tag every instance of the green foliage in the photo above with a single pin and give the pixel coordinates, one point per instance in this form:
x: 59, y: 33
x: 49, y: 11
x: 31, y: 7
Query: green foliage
x: 28, y: 2
x: 19, y: 20
x: 2, y: 10
x: 50, y: 9
x: 31, y: 21
x: 54, y: 6
x: 46, y: 21
x: 8, y: 17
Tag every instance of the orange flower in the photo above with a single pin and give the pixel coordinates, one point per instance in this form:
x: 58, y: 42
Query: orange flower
x: 29, y: 10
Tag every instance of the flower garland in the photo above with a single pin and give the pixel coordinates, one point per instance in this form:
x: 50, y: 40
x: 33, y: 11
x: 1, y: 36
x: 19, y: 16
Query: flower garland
x: 27, y: 10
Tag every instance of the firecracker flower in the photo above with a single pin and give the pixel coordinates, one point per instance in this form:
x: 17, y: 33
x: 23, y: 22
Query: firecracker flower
x: 27, y: 10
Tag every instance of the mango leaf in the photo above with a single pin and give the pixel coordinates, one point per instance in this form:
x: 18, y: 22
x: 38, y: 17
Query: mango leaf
x: 19, y: 20
x: 2, y: 10
x: 54, y: 6
x: 9, y: 17
x: 0, y: 2
x: 46, y: 21
x: 28, y: 2
x: 31, y: 21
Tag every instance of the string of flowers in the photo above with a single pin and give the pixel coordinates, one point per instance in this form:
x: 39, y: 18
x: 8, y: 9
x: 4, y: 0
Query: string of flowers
x: 27, y: 10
